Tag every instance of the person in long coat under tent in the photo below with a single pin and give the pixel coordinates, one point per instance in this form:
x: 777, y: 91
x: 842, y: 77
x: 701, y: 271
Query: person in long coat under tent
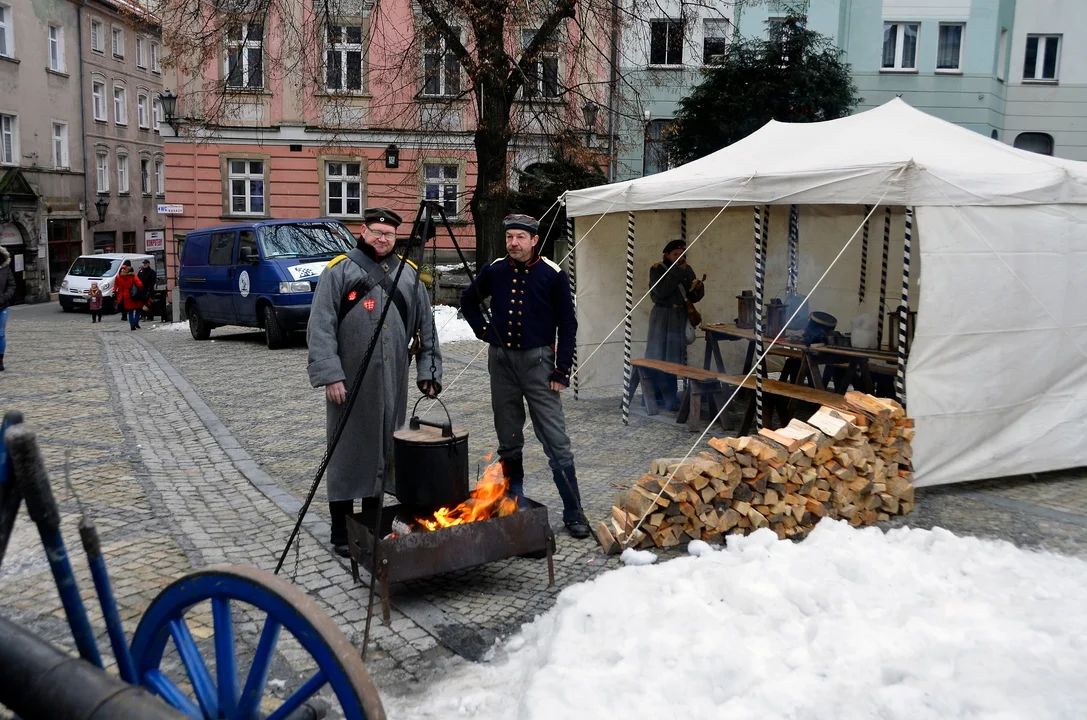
x: 668, y: 319
x: 347, y: 305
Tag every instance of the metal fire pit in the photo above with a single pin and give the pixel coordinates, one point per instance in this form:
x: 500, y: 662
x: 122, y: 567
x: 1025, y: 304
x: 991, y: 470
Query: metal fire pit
x: 422, y: 553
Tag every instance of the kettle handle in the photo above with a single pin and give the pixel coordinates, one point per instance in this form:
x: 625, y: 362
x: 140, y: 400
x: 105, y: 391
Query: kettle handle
x: 446, y: 427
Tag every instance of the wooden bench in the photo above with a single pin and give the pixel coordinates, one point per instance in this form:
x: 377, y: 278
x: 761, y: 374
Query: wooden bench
x: 781, y: 391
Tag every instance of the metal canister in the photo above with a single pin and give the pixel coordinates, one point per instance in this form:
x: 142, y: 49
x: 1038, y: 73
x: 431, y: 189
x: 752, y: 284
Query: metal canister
x: 746, y: 310
x: 775, y: 318
x: 431, y: 463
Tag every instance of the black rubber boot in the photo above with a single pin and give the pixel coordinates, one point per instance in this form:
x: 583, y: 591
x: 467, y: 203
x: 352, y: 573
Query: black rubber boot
x: 1, y: 363
x: 514, y: 470
x: 572, y: 517
x: 339, y: 510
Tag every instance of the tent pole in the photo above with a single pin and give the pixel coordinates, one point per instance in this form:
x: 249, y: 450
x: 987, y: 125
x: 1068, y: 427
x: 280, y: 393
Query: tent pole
x: 627, y: 322
x: 904, y: 309
x: 864, y: 255
x: 572, y: 274
x: 759, y: 266
x: 794, y: 249
x: 883, y: 278
x: 683, y: 237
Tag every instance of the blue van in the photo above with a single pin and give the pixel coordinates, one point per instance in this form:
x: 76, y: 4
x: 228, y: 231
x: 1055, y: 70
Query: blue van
x: 259, y: 274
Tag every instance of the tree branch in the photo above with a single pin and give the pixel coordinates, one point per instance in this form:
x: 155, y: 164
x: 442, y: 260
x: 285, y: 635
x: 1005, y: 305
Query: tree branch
x: 452, y: 37
x: 563, y: 11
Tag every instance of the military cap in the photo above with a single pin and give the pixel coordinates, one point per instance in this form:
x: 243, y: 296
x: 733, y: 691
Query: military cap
x: 521, y: 222
x: 381, y: 215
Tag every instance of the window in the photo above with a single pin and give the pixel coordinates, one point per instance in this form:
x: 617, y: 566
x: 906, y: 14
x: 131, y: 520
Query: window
x: 56, y: 48
x: 776, y: 28
x: 143, y: 114
x: 160, y: 178
x: 656, y: 154
x: 98, y: 40
x: 145, y: 176
x: 343, y: 59
x: 156, y: 114
x: 141, y: 52
x: 1040, y: 63
x: 899, y: 46
x: 7, y: 42
x: 715, y: 37
x: 247, y: 240
x: 245, y: 56
x: 98, y: 94
x: 60, y: 145
x: 344, y: 183
x: 1002, y: 54
x: 441, y: 71
x: 1040, y: 143
x: 542, y: 76
x: 221, y: 248
x: 441, y: 183
x: 949, y: 49
x: 122, y: 174
x: 102, y: 171
x: 155, y: 67
x: 666, y: 42
x: 120, y: 105
x: 9, y: 140
x: 118, y: 42
x: 246, y: 179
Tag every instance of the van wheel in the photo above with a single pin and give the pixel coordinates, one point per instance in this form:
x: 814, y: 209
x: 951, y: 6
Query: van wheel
x: 273, y: 331
x: 199, y: 328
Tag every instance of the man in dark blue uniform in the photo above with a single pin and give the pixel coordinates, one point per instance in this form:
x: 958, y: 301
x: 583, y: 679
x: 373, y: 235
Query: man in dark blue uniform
x: 530, y: 303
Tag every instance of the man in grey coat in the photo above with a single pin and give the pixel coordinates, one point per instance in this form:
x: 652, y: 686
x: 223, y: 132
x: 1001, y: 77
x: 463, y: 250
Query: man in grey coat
x: 347, y: 305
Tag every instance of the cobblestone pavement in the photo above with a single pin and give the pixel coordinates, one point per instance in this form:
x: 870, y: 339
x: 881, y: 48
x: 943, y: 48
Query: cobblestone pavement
x: 191, y: 453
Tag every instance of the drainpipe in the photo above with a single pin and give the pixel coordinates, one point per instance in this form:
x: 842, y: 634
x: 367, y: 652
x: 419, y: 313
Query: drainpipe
x: 83, y: 121
x: 613, y: 91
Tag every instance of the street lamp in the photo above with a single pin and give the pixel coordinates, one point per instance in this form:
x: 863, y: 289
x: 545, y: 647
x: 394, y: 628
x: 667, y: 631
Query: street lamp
x: 101, y: 207
x: 590, y: 110
x: 5, y: 207
x: 169, y: 108
x: 392, y: 156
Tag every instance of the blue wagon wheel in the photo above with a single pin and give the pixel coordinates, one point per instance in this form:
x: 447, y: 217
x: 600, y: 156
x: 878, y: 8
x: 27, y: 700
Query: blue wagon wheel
x: 223, y: 697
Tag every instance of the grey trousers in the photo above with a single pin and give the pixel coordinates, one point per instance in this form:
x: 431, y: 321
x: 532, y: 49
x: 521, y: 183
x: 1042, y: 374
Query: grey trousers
x: 525, y: 375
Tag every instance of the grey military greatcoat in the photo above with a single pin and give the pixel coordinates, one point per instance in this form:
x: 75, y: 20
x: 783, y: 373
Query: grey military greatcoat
x: 336, y: 351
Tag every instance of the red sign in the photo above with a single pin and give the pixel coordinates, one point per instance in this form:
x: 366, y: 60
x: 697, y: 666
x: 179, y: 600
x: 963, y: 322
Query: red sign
x: 369, y: 304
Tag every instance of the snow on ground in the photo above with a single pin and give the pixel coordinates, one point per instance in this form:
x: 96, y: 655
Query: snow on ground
x: 849, y: 624
x: 450, y: 327
x: 171, y: 326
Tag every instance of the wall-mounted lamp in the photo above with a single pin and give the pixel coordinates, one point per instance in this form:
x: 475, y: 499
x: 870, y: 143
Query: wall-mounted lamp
x: 169, y: 108
x: 101, y: 206
x: 392, y: 156
x: 5, y: 207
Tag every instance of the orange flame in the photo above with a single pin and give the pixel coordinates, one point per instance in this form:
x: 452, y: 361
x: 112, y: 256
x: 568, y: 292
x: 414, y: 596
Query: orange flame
x: 488, y: 500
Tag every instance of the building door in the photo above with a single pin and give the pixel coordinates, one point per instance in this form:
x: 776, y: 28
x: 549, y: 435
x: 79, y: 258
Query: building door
x: 64, y: 247
x: 12, y: 240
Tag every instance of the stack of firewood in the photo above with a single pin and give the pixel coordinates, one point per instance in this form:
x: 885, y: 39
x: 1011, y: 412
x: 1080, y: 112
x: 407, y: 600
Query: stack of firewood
x: 850, y: 464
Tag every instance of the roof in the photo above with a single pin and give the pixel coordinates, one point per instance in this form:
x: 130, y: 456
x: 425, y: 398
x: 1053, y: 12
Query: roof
x: 893, y: 154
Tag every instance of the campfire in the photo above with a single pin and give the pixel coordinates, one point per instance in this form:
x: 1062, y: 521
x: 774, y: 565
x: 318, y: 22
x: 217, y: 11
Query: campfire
x: 489, y: 499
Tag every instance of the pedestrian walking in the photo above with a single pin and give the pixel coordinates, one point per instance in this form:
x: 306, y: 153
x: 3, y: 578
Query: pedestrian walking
x: 94, y: 302
x: 148, y: 277
x: 347, y: 305
x: 128, y: 293
x: 530, y: 302
x: 668, y: 320
x: 116, y: 297
x: 7, y: 295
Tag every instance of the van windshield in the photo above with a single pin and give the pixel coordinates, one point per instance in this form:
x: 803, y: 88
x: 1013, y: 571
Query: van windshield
x: 94, y: 267
x: 305, y: 240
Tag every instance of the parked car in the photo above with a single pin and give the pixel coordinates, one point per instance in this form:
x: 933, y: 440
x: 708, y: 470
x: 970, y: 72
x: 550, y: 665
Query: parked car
x: 101, y: 269
x: 258, y: 274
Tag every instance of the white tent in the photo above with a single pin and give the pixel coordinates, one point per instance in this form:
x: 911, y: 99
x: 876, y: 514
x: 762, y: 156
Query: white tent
x: 997, y: 374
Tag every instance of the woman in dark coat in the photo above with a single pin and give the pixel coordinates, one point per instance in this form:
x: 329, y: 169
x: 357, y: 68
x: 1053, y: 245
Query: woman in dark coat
x: 668, y: 320
x: 7, y: 294
x: 123, y: 294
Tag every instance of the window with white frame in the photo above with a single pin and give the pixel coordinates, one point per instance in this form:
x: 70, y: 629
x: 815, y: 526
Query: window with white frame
x: 666, y: 42
x: 949, y: 47
x: 246, y: 182
x: 1042, y: 57
x: 899, y: 46
x: 245, y: 56
x: 541, y: 76
x: 56, y: 48
x: 122, y: 174
x: 120, y: 105
x: 7, y: 35
x: 141, y: 52
x: 145, y: 176
x: 441, y: 183
x: 102, y: 172
x: 1041, y: 143
x: 160, y: 178
x: 441, y: 70
x: 60, y: 145
x: 9, y: 140
x: 776, y: 29
x: 344, y: 183
x: 98, y: 98
x: 156, y: 114
x: 716, y: 34
x: 143, y: 112
x: 98, y: 40
x: 655, y: 158
x: 155, y: 67
x: 118, y: 42
x: 343, y: 58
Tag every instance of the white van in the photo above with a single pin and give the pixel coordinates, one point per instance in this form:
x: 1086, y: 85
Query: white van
x: 101, y: 269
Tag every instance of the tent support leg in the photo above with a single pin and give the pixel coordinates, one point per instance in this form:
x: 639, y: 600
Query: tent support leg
x: 627, y: 322
x: 760, y: 249
x: 883, y: 278
x: 571, y: 272
x: 904, y: 309
x: 864, y: 255
x: 794, y: 249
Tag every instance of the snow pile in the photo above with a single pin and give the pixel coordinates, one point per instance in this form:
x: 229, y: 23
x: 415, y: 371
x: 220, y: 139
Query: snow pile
x: 171, y: 326
x: 450, y: 327
x: 912, y: 624
x: 631, y: 556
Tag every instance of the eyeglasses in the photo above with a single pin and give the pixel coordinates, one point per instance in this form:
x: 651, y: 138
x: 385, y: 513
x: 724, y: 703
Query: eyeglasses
x: 390, y: 236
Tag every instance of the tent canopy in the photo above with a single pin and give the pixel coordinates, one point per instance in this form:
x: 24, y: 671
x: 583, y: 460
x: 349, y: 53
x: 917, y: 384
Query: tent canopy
x: 893, y: 152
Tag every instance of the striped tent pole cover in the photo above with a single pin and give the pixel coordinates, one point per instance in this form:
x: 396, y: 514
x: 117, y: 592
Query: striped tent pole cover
x: 794, y: 249
x: 683, y: 237
x: 864, y: 255
x: 572, y: 272
x: 904, y: 309
x: 627, y: 322
x: 883, y: 277
x: 760, y: 239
